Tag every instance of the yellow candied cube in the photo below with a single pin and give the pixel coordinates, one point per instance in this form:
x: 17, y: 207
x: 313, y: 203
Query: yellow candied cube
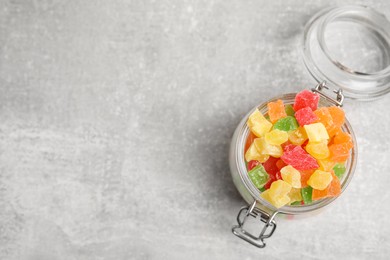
x: 295, y: 195
x: 279, y: 188
x: 253, y: 154
x: 326, y: 164
x: 297, y: 137
x: 291, y: 175
x: 318, y: 150
x: 258, y: 124
x: 256, y: 118
x: 316, y: 132
x: 276, y: 137
x: 278, y: 201
x: 264, y: 148
x: 320, y: 180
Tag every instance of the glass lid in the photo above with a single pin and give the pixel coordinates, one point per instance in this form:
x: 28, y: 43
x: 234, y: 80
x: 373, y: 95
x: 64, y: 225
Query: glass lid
x: 349, y: 48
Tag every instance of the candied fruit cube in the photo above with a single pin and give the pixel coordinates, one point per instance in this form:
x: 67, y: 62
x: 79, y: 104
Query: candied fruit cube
x: 339, y: 170
x: 324, y: 116
x: 295, y: 195
x: 252, y: 164
x: 316, y: 132
x: 277, y: 193
x: 253, y: 154
x: 299, y: 158
x: 297, y: 137
x: 276, y: 201
x: 307, y: 194
x: 306, y: 98
x: 287, y: 123
x: 276, y: 110
x: 258, y: 124
x: 342, y: 137
x: 326, y: 164
x: 339, y: 152
x: 267, y: 149
x: 319, y: 180
x: 270, y: 165
x: 337, y: 114
x: 249, y: 141
x: 258, y: 176
x: 305, y: 116
x: 318, y: 150
x: 276, y: 137
x: 291, y: 175
x: 271, y: 179
x: 333, y: 190
x: 289, y: 110
x: 280, y: 187
x: 305, y: 176
x: 280, y: 164
x: 326, y: 119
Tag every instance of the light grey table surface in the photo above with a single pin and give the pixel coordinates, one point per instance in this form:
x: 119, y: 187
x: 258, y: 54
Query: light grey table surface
x: 115, y: 123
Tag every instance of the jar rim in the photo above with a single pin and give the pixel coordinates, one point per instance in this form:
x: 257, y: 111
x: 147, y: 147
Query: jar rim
x: 298, y: 209
x: 323, y: 65
x: 337, y: 13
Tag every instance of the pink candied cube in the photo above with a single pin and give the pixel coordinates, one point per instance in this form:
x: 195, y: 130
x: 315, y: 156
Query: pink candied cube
x: 305, y: 116
x: 299, y: 159
x: 289, y: 147
x: 306, y: 98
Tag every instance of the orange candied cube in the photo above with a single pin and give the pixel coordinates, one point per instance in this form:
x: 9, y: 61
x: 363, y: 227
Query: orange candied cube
x: 324, y: 116
x: 342, y: 137
x: 333, y: 190
x: 276, y: 110
x: 339, y: 152
x: 333, y: 130
x: 326, y: 119
x: 305, y: 176
x: 337, y: 114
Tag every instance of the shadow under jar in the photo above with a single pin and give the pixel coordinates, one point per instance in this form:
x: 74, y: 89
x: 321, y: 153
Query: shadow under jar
x: 347, y: 47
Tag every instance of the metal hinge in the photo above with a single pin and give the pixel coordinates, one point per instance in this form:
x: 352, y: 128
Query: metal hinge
x: 267, y: 230
x: 339, y: 94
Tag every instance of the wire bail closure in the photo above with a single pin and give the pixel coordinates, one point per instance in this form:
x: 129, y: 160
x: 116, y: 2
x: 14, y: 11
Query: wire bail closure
x: 339, y: 94
x: 267, y: 230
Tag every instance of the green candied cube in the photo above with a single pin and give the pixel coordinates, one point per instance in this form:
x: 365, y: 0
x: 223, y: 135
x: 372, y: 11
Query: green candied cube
x: 339, y: 170
x: 258, y: 176
x: 307, y: 194
x: 289, y: 110
x: 287, y: 124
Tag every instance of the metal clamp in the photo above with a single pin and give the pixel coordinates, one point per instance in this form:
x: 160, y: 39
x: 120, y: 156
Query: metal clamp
x: 339, y: 98
x: 267, y: 230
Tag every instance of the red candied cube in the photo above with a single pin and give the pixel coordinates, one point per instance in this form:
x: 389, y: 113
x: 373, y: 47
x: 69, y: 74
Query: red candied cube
x: 270, y: 165
x: 306, y: 98
x: 305, y: 116
x: 271, y: 179
x: 252, y: 164
x: 299, y: 159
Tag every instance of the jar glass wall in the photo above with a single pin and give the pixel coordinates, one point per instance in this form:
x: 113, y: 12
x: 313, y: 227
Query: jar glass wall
x: 240, y: 174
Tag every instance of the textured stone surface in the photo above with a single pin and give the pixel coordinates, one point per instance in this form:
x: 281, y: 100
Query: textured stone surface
x: 115, y: 122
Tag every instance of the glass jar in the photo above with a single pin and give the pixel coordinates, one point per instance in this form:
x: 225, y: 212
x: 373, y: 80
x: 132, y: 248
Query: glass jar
x: 325, y: 64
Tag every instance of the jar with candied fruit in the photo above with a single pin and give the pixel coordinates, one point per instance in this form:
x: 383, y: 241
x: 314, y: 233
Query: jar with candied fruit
x: 296, y: 153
